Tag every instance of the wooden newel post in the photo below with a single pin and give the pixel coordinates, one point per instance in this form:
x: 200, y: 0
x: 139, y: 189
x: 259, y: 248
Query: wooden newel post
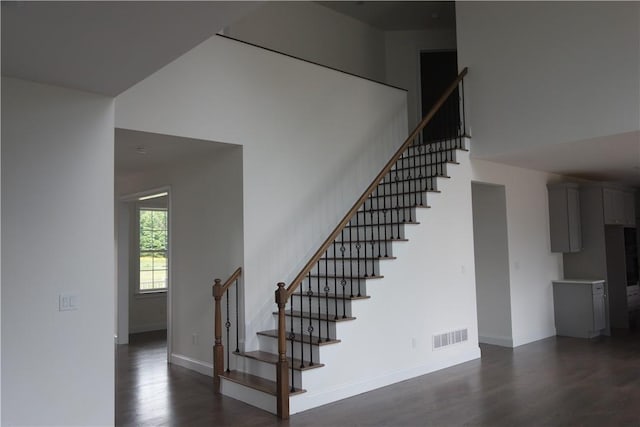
x: 218, y: 348
x: 282, y: 367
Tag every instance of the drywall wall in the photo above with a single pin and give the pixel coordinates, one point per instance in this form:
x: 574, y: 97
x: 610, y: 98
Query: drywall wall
x: 316, y: 33
x: 429, y: 289
x: 548, y: 72
x: 313, y: 138
x: 491, y: 254
x: 58, y: 238
x: 402, y: 59
x: 532, y: 266
x: 206, y: 242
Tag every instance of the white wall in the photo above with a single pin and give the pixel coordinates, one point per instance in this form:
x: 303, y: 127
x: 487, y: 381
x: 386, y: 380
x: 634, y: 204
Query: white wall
x: 403, y: 62
x: 57, y: 221
x: 429, y: 289
x: 206, y: 242
x: 491, y: 254
x: 312, y: 138
x: 316, y: 33
x: 548, y: 72
x: 532, y: 266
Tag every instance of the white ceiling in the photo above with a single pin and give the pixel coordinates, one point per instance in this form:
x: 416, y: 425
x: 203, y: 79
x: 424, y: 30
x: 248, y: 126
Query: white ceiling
x: 614, y: 158
x: 399, y: 15
x: 160, y: 151
x: 105, y: 47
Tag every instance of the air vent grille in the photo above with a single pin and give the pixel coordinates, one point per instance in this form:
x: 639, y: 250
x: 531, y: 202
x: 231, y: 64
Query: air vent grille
x: 449, y: 338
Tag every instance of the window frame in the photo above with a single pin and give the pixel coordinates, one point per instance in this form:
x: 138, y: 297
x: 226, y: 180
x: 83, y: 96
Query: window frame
x: 138, y: 250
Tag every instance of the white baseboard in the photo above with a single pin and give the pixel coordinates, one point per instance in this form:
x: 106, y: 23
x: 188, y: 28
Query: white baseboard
x: 500, y: 341
x: 309, y: 400
x: 194, y: 365
x: 148, y: 327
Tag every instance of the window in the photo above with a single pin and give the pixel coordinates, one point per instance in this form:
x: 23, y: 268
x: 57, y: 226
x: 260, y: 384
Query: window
x: 152, y: 245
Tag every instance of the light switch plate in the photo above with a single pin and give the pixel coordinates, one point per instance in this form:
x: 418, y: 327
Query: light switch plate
x: 67, y: 302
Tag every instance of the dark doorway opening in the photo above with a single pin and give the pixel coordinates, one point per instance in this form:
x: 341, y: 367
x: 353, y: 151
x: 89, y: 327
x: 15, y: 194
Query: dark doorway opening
x: 437, y: 71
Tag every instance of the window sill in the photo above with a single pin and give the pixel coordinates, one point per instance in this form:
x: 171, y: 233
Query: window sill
x: 151, y: 294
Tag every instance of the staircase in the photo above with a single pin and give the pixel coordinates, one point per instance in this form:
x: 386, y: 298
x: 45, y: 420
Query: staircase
x: 331, y: 289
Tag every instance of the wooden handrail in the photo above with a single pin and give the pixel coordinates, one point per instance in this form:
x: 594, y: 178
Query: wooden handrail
x: 218, y: 348
x: 387, y: 168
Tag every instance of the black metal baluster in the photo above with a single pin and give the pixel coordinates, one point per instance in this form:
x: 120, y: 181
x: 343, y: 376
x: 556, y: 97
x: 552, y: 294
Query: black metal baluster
x: 415, y: 183
x: 319, y: 298
x: 343, y: 281
x: 310, y: 327
x: 237, y: 317
x: 358, y: 246
x: 420, y: 176
x: 360, y: 239
x: 228, y: 326
x: 326, y: 291
x: 292, y: 337
x: 302, y: 326
x: 397, y: 179
x: 351, y: 255
x: 379, y: 212
x: 386, y: 224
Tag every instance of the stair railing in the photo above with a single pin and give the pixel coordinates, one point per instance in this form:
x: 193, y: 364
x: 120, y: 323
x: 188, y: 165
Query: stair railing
x: 219, y: 291
x: 449, y: 109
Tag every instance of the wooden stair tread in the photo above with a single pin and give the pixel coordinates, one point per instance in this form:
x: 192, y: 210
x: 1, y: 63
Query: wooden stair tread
x: 255, y: 382
x: 273, y: 333
x: 386, y: 223
x: 272, y: 359
x: 322, y: 276
x: 316, y: 316
x: 330, y: 296
x: 403, y: 193
x: 392, y: 208
x: 413, y: 178
x: 390, y: 239
x: 359, y: 259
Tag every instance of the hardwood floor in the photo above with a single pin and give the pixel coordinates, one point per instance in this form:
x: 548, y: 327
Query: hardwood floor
x: 553, y: 382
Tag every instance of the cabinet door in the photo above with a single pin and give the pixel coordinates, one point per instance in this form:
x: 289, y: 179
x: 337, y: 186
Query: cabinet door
x: 629, y: 208
x: 599, y: 319
x: 573, y: 214
x: 613, y: 206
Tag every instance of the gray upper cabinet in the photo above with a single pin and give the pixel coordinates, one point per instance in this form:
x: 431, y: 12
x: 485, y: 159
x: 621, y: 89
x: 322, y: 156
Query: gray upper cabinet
x: 564, y: 217
x: 619, y: 207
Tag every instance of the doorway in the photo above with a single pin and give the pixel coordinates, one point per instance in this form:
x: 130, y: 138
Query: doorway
x: 491, y: 249
x: 144, y: 264
x: 438, y: 69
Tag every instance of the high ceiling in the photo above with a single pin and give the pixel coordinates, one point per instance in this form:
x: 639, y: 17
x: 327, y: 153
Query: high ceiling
x: 399, y: 15
x: 105, y: 47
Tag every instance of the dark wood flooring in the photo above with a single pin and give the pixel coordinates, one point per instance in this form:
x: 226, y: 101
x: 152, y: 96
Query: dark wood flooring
x: 553, y: 382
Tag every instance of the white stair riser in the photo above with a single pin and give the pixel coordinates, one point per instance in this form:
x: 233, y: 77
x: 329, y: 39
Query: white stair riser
x: 248, y: 395
x: 351, y: 251
x: 270, y: 345
x: 391, y: 202
x: 335, y: 287
x: 423, y: 160
x: 339, y: 306
x: 316, y: 324
x: 346, y: 268
x: 364, y: 218
x: 375, y: 232
x: 265, y: 370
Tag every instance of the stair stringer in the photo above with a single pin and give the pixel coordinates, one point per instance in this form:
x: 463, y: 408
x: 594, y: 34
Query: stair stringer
x: 429, y: 289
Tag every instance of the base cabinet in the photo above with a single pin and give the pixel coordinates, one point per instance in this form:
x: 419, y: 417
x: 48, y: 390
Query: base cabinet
x: 580, y: 307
